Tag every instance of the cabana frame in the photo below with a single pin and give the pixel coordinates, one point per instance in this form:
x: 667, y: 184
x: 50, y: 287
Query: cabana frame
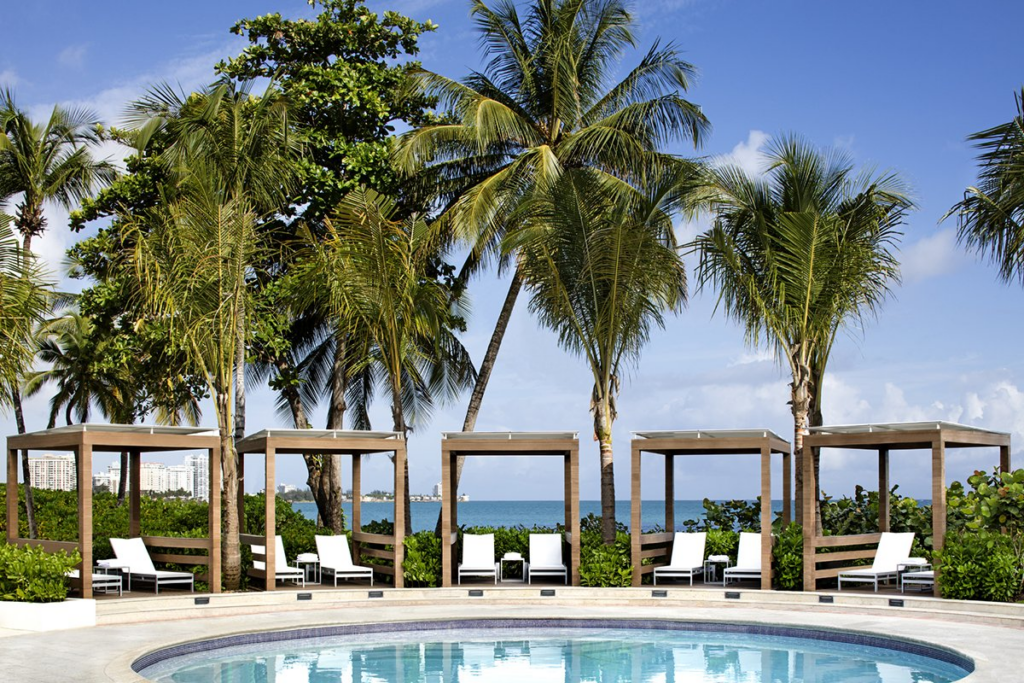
x: 670, y: 444
x: 86, y: 439
x: 883, y: 438
x: 461, y: 444
x: 355, y: 443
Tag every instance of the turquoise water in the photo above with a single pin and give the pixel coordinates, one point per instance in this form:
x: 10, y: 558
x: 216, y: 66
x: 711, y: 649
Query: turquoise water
x: 529, y: 513
x: 554, y: 656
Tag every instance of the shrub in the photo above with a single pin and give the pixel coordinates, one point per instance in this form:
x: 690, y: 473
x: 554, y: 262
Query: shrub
x: 980, y: 565
x: 788, y: 559
x: 33, y: 575
x: 422, y: 565
x: 721, y: 542
x: 605, y: 565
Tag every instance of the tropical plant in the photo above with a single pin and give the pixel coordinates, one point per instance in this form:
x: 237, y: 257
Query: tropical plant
x: 230, y: 159
x: 798, y: 254
x: 372, y: 273
x: 543, y: 105
x: 601, y: 272
x: 991, y: 214
x: 29, y: 574
x: 44, y: 162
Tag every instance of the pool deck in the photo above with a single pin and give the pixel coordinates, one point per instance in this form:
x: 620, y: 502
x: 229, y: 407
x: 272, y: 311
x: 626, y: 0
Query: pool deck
x: 992, y: 635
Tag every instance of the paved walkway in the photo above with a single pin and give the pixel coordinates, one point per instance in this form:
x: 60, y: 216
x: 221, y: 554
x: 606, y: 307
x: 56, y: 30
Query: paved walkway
x: 105, y: 653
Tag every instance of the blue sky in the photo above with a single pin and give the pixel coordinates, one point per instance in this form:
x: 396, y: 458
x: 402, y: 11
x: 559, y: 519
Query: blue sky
x: 897, y: 85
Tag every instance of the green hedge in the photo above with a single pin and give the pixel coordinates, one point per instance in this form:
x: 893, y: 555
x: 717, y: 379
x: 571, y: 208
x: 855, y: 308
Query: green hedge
x: 32, y: 575
x: 980, y: 565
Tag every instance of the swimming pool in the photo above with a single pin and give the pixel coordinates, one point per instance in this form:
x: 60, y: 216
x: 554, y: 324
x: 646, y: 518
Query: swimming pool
x: 562, y: 651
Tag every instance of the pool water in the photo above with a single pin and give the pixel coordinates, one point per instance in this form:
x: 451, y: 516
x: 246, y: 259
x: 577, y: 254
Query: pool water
x: 546, y: 655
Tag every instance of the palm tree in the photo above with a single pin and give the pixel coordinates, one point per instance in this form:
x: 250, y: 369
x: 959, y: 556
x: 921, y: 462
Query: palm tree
x: 371, y: 273
x: 542, y: 105
x: 232, y: 158
x: 49, y: 162
x: 991, y: 215
x: 25, y: 298
x: 798, y: 254
x: 600, y: 274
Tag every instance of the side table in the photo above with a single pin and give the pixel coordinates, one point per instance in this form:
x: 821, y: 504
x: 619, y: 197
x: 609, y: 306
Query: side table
x: 115, y: 567
x: 307, y: 561
x: 711, y: 567
x: 512, y: 558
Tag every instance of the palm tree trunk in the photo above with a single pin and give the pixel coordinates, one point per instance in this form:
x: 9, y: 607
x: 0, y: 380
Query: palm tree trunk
x: 800, y: 402
x: 26, y: 473
x: 399, y: 426
x: 330, y: 482
x: 484, y: 375
x: 232, y: 556
x: 122, y: 479
x: 240, y: 377
x: 603, y: 432
x: 816, y: 420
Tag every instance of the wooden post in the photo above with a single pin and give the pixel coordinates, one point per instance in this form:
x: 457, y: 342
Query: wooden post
x: 808, y: 521
x: 766, y: 517
x: 1004, y: 458
x: 271, y: 518
x: 134, y: 493
x: 635, y: 509
x: 12, y: 495
x: 357, y: 501
x: 574, y: 512
x: 787, y: 488
x: 938, y: 505
x: 85, y: 516
x: 883, y: 489
x: 400, y: 460
x: 446, y: 517
x: 213, y: 465
x: 241, y: 492
x: 670, y: 493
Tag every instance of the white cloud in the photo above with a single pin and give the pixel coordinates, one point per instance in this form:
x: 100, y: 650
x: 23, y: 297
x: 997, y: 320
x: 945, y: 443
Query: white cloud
x: 73, y: 55
x: 932, y: 256
x: 9, y: 78
x: 748, y: 155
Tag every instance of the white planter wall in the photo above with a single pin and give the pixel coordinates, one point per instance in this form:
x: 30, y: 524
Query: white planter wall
x: 47, y: 616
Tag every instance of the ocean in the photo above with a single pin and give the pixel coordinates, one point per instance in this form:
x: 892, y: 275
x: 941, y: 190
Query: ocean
x: 527, y: 513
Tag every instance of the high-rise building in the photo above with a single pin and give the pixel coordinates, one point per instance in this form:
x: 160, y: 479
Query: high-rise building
x: 53, y: 472
x: 179, y: 478
x: 438, y: 489
x: 153, y: 477
x: 199, y: 464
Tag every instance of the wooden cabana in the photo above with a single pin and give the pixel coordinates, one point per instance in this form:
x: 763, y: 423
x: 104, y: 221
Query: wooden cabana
x: 84, y: 440
x: 356, y: 443
x: 455, y: 445
x: 882, y: 438
x: 658, y: 547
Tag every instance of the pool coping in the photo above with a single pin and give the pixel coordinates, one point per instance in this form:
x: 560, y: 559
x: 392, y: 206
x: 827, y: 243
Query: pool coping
x: 811, y: 633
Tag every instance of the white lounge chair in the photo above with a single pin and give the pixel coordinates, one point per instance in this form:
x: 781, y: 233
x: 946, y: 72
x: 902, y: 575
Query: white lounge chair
x: 748, y: 559
x: 336, y: 559
x: 132, y: 553
x: 893, y: 550
x: 687, y: 557
x: 478, y: 556
x: 546, y: 557
x: 100, y: 582
x: 282, y: 570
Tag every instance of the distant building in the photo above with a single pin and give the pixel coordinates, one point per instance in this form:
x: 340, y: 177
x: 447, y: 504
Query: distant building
x: 287, y: 488
x: 200, y: 466
x: 53, y: 472
x: 438, y: 489
x: 179, y: 478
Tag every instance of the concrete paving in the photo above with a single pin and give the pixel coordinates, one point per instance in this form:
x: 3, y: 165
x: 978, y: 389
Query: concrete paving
x: 105, y: 653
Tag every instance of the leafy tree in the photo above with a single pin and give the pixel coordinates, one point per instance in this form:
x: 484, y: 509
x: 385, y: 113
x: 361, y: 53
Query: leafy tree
x: 600, y: 274
x: 44, y: 162
x: 991, y: 214
x: 542, y: 106
x: 371, y: 270
x: 341, y: 72
x: 798, y: 254
x: 230, y: 158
